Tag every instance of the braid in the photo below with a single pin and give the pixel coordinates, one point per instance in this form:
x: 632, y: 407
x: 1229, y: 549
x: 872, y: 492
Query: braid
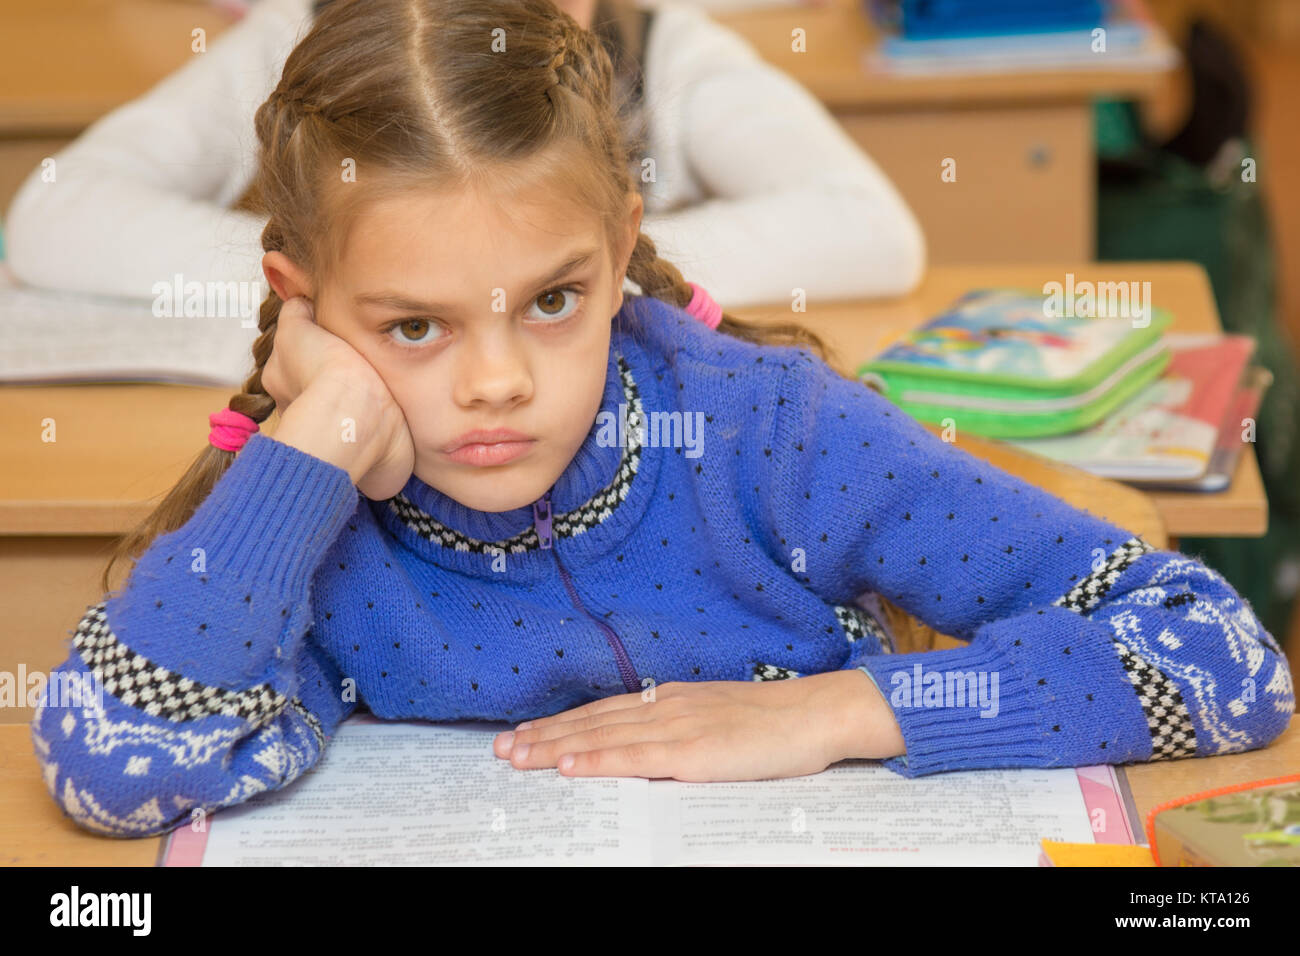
x: 655, y: 276
x: 580, y: 67
x: 557, y: 61
x: 659, y: 278
x: 253, y: 399
x: 580, y: 90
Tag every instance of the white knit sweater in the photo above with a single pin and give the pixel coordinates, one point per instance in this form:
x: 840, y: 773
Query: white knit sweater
x: 758, y: 189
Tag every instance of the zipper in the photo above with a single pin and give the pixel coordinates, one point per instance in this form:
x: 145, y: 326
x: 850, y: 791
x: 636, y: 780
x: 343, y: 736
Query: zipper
x: 542, y: 521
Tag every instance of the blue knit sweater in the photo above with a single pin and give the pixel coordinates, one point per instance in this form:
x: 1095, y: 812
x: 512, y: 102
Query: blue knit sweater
x: 746, y: 545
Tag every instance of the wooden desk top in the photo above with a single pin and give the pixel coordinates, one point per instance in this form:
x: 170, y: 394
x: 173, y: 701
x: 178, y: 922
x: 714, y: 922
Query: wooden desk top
x: 34, y: 831
x: 832, y: 67
x: 65, y: 63
x: 121, y: 446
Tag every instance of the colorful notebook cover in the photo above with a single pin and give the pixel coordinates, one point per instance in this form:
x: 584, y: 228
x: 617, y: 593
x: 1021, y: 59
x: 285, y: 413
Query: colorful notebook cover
x: 1002, y: 363
x: 1170, y: 429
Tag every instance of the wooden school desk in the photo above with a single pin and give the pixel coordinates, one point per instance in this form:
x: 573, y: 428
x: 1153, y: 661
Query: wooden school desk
x: 61, y: 504
x: 1023, y: 141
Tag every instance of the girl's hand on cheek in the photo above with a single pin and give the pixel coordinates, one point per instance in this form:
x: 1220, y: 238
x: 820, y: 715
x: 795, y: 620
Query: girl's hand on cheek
x: 334, y: 405
x: 714, y: 730
x: 304, y: 353
x: 395, y: 464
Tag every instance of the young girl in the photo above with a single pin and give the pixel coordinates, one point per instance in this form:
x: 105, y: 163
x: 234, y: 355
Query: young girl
x: 626, y: 522
x: 753, y: 187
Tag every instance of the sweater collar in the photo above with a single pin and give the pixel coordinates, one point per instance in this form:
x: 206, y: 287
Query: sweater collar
x: 596, y: 500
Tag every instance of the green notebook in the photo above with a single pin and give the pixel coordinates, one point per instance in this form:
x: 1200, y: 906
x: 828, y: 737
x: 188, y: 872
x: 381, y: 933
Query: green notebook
x: 1014, y: 363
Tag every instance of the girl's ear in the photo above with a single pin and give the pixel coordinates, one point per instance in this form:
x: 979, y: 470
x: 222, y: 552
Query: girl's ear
x: 285, y: 277
x: 635, y: 207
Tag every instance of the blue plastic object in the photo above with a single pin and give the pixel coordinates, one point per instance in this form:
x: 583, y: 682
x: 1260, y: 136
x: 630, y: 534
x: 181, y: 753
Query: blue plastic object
x: 934, y: 19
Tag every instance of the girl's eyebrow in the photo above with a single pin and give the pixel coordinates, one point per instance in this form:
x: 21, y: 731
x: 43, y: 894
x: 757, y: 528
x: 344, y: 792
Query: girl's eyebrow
x: 400, y: 301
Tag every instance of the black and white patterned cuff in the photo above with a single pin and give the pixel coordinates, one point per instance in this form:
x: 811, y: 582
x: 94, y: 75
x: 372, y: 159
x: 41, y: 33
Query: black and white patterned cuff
x: 1087, y: 594
x: 138, y: 682
x: 1173, y: 734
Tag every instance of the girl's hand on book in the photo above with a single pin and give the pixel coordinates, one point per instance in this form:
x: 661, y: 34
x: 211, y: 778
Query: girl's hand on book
x: 335, y: 406
x: 715, y: 730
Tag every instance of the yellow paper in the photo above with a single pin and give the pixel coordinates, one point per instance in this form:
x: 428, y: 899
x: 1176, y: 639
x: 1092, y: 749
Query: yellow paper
x: 1097, y: 854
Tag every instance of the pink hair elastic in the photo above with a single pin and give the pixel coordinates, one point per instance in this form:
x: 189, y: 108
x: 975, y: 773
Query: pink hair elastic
x: 230, y: 429
x: 703, y: 307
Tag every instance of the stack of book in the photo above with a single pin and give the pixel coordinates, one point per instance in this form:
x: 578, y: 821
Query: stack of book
x: 1113, y: 394
x: 935, y: 37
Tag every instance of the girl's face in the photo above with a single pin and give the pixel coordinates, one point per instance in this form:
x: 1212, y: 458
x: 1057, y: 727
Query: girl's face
x: 480, y: 314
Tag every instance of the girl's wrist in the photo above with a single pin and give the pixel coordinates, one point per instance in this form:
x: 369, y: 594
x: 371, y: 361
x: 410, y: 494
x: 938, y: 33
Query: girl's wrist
x: 863, y: 723
x: 325, y: 424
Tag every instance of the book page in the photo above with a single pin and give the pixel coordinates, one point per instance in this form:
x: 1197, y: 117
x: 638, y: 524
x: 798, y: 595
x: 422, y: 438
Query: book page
x: 51, y: 337
x: 858, y: 813
x: 397, y: 793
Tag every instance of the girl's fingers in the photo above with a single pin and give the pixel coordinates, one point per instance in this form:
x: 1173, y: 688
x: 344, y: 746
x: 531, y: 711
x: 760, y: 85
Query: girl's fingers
x: 536, y: 734
x: 655, y: 760
x: 614, y: 702
x: 546, y: 753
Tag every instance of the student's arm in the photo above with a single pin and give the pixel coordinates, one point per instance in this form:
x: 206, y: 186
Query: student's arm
x: 1104, y: 650
x: 792, y: 201
x: 142, y: 195
x: 204, y: 683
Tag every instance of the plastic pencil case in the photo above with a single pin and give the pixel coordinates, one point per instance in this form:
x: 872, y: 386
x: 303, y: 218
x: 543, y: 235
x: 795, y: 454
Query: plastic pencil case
x: 1006, y: 406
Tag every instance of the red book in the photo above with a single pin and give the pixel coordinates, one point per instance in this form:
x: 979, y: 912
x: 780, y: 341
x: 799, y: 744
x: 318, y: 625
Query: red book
x: 1169, y: 430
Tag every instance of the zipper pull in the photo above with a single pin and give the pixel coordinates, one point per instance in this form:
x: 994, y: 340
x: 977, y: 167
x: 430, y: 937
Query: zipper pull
x: 542, y: 519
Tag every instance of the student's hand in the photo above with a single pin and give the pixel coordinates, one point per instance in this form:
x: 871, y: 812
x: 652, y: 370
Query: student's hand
x: 320, y: 383
x: 716, y: 730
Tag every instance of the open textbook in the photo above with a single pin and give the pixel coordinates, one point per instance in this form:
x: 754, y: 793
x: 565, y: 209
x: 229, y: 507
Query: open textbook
x: 397, y: 793
x: 51, y: 337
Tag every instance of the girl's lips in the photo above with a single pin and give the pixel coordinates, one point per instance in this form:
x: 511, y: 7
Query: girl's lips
x: 497, y: 453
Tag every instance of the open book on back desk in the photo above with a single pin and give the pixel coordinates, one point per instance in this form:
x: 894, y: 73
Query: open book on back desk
x: 396, y: 793
x: 50, y: 338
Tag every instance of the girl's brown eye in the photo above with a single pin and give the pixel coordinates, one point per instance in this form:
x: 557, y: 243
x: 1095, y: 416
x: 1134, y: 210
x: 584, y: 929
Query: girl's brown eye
x: 557, y: 305
x: 553, y: 295
x: 421, y: 331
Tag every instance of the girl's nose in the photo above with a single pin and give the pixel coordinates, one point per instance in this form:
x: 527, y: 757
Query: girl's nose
x: 493, y: 373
